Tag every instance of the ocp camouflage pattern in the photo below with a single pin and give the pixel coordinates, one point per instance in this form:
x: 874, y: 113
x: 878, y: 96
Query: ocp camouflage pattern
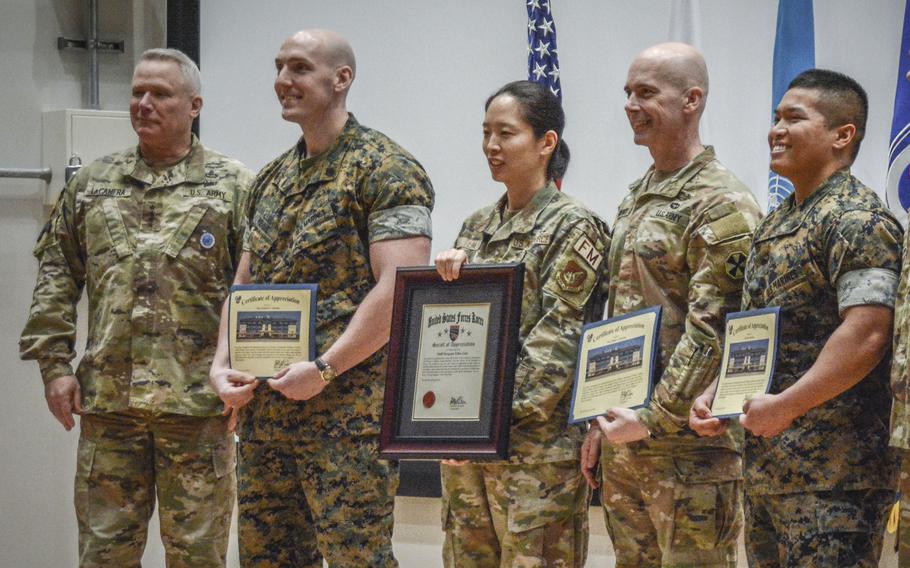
x: 562, y: 246
x: 500, y: 514
x: 801, y: 253
x: 156, y: 250
x: 311, y: 220
x: 681, y: 244
x: 127, y: 461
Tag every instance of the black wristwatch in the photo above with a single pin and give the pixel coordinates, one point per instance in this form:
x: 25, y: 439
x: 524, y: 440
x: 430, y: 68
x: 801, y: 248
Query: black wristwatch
x: 326, y: 371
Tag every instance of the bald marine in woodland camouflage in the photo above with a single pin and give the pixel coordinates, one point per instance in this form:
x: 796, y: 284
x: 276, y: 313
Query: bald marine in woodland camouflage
x: 680, y: 241
x: 153, y: 234
x: 343, y: 208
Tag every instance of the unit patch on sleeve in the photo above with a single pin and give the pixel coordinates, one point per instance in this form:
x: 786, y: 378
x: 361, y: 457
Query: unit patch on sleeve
x: 735, y: 265
x: 572, y: 277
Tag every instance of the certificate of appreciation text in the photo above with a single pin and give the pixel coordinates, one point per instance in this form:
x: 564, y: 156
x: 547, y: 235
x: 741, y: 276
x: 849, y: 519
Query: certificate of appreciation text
x: 750, y: 349
x: 450, y: 363
x: 270, y: 327
x: 615, y: 364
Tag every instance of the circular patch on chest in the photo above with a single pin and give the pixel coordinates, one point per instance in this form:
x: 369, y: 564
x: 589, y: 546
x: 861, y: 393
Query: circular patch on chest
x: 207, y: 240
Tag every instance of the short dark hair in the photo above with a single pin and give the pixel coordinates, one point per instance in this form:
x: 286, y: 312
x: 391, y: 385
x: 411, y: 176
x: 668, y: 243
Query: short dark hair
x: 842, y: 101
x: 542, y: 110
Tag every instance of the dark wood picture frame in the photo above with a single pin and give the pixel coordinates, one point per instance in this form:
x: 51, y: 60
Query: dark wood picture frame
x: 499, y: 285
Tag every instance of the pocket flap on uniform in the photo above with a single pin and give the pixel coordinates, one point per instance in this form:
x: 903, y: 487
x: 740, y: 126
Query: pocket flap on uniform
x: 708, y: 467
x: 116, y: 229
x: 224, y: 457
x: 532, y: 507
x: 183, y: 232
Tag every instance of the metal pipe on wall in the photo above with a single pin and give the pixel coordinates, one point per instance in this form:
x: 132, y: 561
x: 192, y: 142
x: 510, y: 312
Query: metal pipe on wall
x: 27, y: 173
x: 93, y: 102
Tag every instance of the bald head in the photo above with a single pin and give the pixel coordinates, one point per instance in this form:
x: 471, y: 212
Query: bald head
x: 330, y: 47
x: 680, y: 64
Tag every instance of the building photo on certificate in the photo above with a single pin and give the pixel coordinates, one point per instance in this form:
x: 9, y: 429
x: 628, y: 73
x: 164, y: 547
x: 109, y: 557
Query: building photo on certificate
x: 268, y: 326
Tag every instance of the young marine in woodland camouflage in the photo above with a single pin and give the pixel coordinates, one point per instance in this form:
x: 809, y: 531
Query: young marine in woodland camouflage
x: 680, y: 242
x: 819, y: 476
x: 533, y: 509
x: 341, y: 209
x: 154, y: 242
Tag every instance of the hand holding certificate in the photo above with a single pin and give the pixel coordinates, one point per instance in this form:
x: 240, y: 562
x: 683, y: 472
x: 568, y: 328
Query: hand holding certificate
x: 270, y: 327
x: 750, y: 349
x: 616, y: 360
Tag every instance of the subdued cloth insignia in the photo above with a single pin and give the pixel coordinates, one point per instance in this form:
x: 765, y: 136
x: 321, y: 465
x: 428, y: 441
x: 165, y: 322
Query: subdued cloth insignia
x: 572, y: 277
x: 588, y: 252
x: 735, y: 265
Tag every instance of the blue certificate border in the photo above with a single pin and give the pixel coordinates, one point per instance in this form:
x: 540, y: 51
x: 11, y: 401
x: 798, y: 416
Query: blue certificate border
x: 655, y: 351
x: 313, y: 288
x: 739, y: 315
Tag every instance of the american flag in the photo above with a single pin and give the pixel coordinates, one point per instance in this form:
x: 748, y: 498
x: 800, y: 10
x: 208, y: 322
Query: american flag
x: 543, y: 63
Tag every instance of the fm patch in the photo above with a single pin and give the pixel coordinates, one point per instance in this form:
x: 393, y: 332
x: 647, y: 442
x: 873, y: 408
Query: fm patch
x: 207, y: 240
x: 585, y: 248
x: 735, y: 265
x: 572, y: 277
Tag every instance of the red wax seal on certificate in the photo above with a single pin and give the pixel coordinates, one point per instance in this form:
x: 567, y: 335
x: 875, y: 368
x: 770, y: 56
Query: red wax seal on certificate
x: 429, y: 399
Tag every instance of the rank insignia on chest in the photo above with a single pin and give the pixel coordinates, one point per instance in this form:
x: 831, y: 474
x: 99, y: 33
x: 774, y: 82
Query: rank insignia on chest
x: 572, y: 277
x: 735, y: 265
x: 207, y: 240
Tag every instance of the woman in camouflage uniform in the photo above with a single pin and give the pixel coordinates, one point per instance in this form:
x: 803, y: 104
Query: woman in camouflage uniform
x: 531, y: 509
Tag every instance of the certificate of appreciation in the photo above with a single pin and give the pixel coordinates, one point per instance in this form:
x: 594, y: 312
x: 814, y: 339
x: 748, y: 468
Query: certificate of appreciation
x: 615, y: 367
x: 270, y: 327
x: 750, y: 349
x: 450, y: 362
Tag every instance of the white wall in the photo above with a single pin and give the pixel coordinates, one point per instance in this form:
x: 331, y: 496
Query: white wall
x: 425, y: 69
x: 37, y: 522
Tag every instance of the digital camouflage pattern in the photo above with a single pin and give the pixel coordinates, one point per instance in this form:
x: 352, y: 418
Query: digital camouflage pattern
x: 903, y: 528
x: 126, y: 459
x: 311, y: 220
x: 681, y: 244
x: 540, y: 511
x: 562, y: 246
x: 900, y: 384
x: 156, y: 251
x: 841, y: 242
x: 669, y: 512
x: 296, y: 503
x: 533, y: 512
x: 817, y: 529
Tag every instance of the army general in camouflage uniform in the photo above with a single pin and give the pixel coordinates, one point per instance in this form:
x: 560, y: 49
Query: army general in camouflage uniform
x: 819, y: 473
x: 680, y: 241
x: 153, y: 233
x: 533, y: 509
x: 343, y: 209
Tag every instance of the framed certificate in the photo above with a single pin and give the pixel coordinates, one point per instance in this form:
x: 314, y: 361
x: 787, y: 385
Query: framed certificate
x: 270, y: 327
x: 616, y: 361
x: 750, y: 350
x: 451, y: 366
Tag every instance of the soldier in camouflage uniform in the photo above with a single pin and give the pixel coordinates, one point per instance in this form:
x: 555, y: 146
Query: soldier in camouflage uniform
x: 343, y: 209
x: 680, y: 241
x: 153, y: 232
x: 532, y: 509
x: 819, y: 476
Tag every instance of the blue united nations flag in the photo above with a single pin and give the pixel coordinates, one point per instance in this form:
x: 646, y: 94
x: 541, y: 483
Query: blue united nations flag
x: 794, y: 52
x: 898, y: 194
